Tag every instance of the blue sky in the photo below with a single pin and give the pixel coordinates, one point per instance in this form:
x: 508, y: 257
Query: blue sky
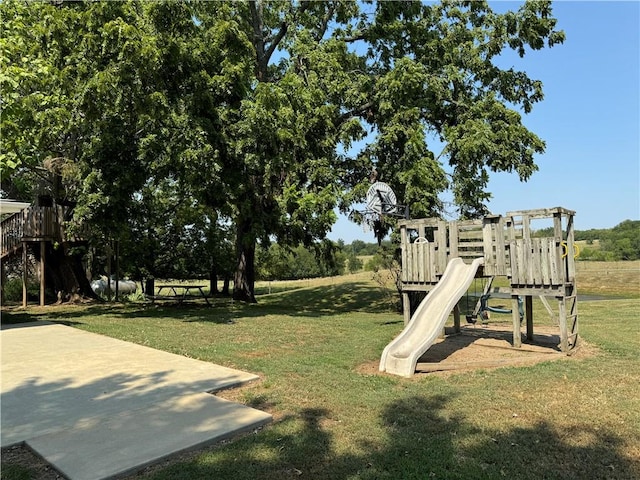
x: 589, y: 119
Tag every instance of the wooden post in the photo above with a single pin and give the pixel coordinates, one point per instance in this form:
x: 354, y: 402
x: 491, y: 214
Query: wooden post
x: 406, y: 307
x: 526, y: 226
x: 24, y: 274
x: 562, y: 317
x: 528, y: 310
x: 42, y: 267
x: 454, y: 235
x: 487, y: 247
x: 3, y: 282
x: 456, y: 318
x: 109, y: 272
x: 515, y: 315
x: 571, y: 252
x: 117, y: 245
x: 404, y: 242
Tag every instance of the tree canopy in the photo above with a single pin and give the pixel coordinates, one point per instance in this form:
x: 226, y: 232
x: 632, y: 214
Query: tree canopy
x: 270, y: 114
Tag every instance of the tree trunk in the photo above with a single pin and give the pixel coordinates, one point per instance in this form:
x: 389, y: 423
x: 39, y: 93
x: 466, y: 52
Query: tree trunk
x: 244, y: 280
x: 65, y: 274
x: 225, y: 284
x: 213, y: 280
x: 150, y: 286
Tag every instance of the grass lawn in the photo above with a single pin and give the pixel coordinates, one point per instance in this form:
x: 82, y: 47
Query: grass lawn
x: 575, y: 419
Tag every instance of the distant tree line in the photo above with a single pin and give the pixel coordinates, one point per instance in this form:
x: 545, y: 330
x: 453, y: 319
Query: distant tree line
x: 277, y: 262
x: 621, y: 242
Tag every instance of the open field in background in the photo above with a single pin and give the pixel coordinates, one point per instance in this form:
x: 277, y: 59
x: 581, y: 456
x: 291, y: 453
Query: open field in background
x: 315, y: 344
x: 596, y: 278
x: 610, y: 278
x: 582, y: 244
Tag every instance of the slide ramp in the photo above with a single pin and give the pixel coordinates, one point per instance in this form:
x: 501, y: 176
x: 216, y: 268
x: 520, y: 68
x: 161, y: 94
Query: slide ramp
x: 426, y: 324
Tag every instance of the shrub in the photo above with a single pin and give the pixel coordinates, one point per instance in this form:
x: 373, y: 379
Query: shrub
x: 13, y: 289
x: 354, y: 264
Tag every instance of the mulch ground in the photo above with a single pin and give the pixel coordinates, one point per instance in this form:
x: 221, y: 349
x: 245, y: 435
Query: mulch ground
x: 489, y: 346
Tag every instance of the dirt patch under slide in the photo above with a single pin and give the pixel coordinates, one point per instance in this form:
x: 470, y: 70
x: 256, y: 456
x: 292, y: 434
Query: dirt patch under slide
x: 490, y: 346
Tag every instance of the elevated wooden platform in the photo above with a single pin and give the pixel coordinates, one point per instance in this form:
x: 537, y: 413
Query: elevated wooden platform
x: 34, y: 224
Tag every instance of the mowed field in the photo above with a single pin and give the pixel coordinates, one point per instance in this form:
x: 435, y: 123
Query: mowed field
x: 610, y: 278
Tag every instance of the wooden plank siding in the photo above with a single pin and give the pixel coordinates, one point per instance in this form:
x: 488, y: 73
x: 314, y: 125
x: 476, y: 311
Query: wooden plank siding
x: 536, y: 262
x: 425, y: 260
x: 506, y: 243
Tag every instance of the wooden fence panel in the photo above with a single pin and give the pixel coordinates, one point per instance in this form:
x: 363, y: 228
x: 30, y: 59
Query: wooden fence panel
x: 535, y: 262
x: 555, y: 265
x: 433, y: 272
x: 421, y: 265
x: 441, y: 247
x: 413, y: 262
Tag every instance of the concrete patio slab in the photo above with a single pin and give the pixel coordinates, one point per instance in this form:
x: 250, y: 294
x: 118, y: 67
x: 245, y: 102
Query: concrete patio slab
x: 112, y: 446
x: 60, y: 382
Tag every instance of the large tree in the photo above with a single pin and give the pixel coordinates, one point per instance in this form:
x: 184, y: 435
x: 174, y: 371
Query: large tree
x: 326, y: 74
x: 97, y: 106
x: 273, y: 113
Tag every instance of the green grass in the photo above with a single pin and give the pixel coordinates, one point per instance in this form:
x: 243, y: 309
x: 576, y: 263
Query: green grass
x: 15, y: 472
x: 335, y: 419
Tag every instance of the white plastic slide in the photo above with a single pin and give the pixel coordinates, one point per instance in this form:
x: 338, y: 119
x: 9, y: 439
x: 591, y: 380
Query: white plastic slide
x: 426, y: 324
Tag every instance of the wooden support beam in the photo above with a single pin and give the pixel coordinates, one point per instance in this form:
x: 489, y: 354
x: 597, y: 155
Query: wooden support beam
x: 515, y: 315
x: 564, y: 341
x: 528, y: 310
x: 24, y: 274
x: 42, y: 267
x: 456, y: 318
x: 406, y: 308
x: 552, y: 314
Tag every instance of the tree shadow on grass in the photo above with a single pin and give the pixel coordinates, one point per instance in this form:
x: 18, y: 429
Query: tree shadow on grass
x: 66, y: 314
x: 415, y: 437
x: 580, y: 452
x: 330, y: 300
x: 327, y: 300
x: 422, y: 441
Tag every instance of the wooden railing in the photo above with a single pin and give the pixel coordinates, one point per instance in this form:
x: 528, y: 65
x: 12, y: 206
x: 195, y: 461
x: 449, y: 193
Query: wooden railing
x: 537, y: 262
x: 505, y: 243
x: 429, y: 244
x: 31, y: 224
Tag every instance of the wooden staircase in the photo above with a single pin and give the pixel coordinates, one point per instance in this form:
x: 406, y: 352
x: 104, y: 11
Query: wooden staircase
x: 29, y: 225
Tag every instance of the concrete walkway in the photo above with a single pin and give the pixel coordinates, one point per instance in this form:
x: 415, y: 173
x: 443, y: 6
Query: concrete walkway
x: 96, y: 407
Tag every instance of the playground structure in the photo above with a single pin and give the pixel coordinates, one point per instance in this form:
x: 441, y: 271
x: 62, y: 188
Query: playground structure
x: 29, y: 228
x: 30, y: 225
x: 442, y: 259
